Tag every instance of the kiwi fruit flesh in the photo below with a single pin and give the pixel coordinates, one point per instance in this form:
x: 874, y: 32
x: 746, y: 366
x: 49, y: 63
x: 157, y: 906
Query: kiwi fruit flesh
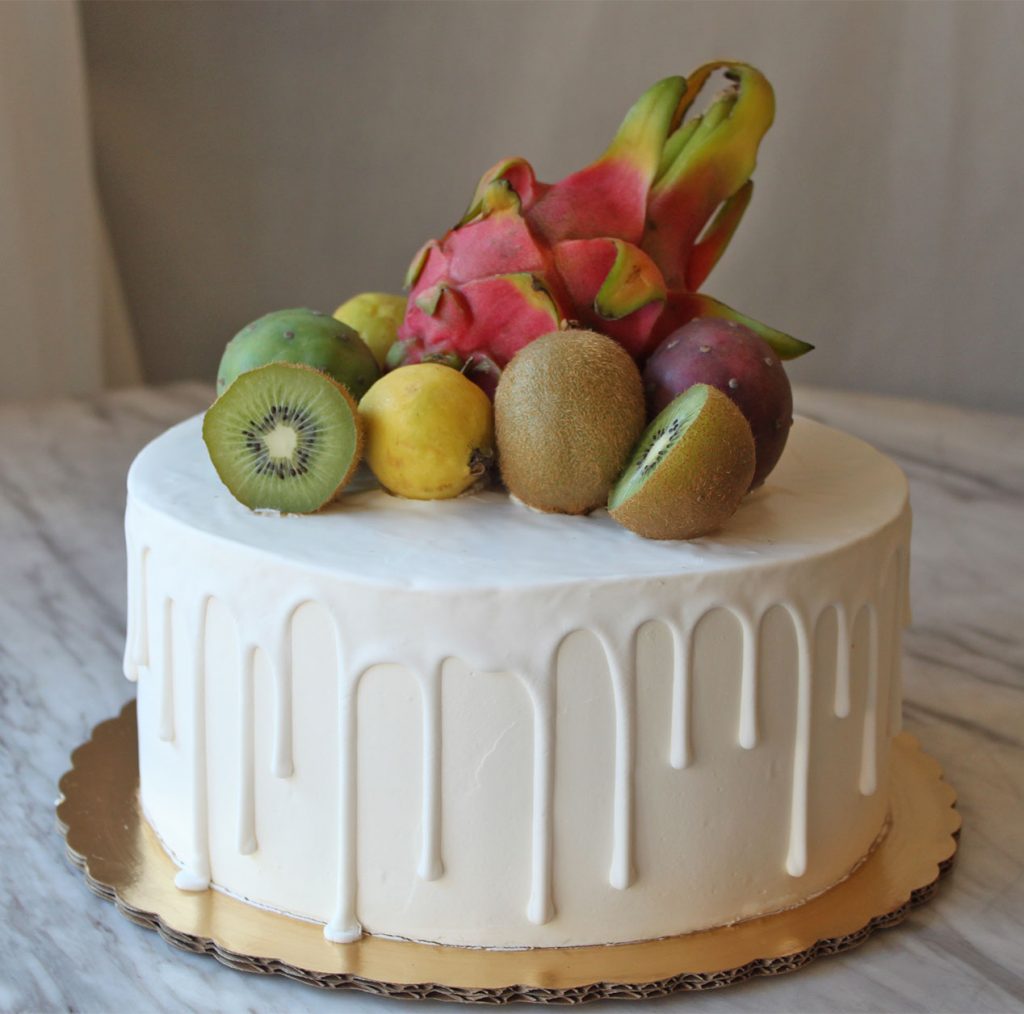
x: 284, y: 437
x: 690, y: 469
x: 568, y: 410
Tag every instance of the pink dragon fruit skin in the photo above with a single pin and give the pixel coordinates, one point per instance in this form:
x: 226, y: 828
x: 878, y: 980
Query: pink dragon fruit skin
x: 620, y: 246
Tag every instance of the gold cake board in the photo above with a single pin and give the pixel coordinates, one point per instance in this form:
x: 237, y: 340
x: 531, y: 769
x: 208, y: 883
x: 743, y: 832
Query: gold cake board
x: 108, y: 839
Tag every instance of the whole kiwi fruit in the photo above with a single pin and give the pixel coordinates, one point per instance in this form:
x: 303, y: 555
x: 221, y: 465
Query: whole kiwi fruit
x: 568, y: 410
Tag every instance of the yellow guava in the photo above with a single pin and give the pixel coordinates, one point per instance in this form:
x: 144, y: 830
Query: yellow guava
x: 429, y: 432
x: 376, y: 316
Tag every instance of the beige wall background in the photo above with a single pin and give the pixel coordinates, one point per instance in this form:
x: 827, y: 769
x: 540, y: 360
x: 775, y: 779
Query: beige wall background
x: 253, y: 156
x: 65, y: 325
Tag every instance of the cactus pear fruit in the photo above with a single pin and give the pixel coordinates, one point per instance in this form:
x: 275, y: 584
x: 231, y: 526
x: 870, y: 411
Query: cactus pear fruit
x: 726, y: 355
x: 300, y: 336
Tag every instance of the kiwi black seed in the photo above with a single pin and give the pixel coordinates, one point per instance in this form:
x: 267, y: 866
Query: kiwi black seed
x: 689, y: 470
x: 284, y: 437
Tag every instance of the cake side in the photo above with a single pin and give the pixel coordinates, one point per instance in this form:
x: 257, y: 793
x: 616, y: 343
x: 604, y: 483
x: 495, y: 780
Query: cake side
x: 698, y: 734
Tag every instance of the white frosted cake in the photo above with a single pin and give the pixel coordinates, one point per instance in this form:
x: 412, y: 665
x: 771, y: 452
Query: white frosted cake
x: 468, y: 723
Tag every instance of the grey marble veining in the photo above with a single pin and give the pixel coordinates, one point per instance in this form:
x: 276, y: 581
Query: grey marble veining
x: 62, y: 467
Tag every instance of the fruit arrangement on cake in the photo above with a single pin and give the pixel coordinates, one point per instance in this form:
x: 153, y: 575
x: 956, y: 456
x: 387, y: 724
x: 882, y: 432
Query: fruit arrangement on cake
x: 555, y: 341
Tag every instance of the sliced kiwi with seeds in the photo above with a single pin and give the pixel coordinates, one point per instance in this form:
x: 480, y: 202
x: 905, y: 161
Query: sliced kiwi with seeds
x: 284, y: 437
x: 690, y: 469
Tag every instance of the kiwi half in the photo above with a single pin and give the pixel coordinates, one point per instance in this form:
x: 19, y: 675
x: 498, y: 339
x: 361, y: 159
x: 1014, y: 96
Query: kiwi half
x: 285, y: 437
x: 689, y: 471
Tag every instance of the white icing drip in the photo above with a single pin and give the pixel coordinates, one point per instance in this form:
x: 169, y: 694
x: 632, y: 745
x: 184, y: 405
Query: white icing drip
x: 343, y: 926
x: 135, y: 597
x: 282, y: 763
x: 679, y: 737
x: 136, y: 646
x: 247, y: 842
x: 622, y: 670
x: 796, y: 858
x: 431, y: 864
x: 906, y: 613
x: 195, y: 874
x: 748, y: 681
x: 841, y: 704
x: 869, y: 736
x: 540, y: 908
x: 902, y: 579
x: 165, y: 652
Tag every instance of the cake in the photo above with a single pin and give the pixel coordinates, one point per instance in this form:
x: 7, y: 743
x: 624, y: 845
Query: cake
x: 407, y: 704
x: 467, y: 723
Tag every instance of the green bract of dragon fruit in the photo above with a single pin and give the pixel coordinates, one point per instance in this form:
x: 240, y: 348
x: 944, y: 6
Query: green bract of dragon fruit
x: 622, y: 246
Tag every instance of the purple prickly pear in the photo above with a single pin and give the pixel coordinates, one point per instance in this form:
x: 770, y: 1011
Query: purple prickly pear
x: 729, y: 356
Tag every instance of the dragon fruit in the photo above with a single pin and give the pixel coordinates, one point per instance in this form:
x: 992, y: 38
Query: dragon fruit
x: 621, y: 247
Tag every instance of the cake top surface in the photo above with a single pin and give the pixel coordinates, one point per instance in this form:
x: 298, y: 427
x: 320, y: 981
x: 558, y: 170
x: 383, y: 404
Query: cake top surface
x: 829, y: 490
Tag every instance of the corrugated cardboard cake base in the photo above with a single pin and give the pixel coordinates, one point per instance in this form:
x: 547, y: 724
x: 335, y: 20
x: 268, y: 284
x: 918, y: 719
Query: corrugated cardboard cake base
x: 108, y: 839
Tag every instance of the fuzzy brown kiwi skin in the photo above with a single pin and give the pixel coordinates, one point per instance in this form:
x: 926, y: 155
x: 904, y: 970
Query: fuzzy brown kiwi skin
x: 685, y: 498
x: 551, y: 454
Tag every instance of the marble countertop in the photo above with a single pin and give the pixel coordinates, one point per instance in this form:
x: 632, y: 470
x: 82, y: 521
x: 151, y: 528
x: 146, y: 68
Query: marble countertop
x: 62, y: 468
